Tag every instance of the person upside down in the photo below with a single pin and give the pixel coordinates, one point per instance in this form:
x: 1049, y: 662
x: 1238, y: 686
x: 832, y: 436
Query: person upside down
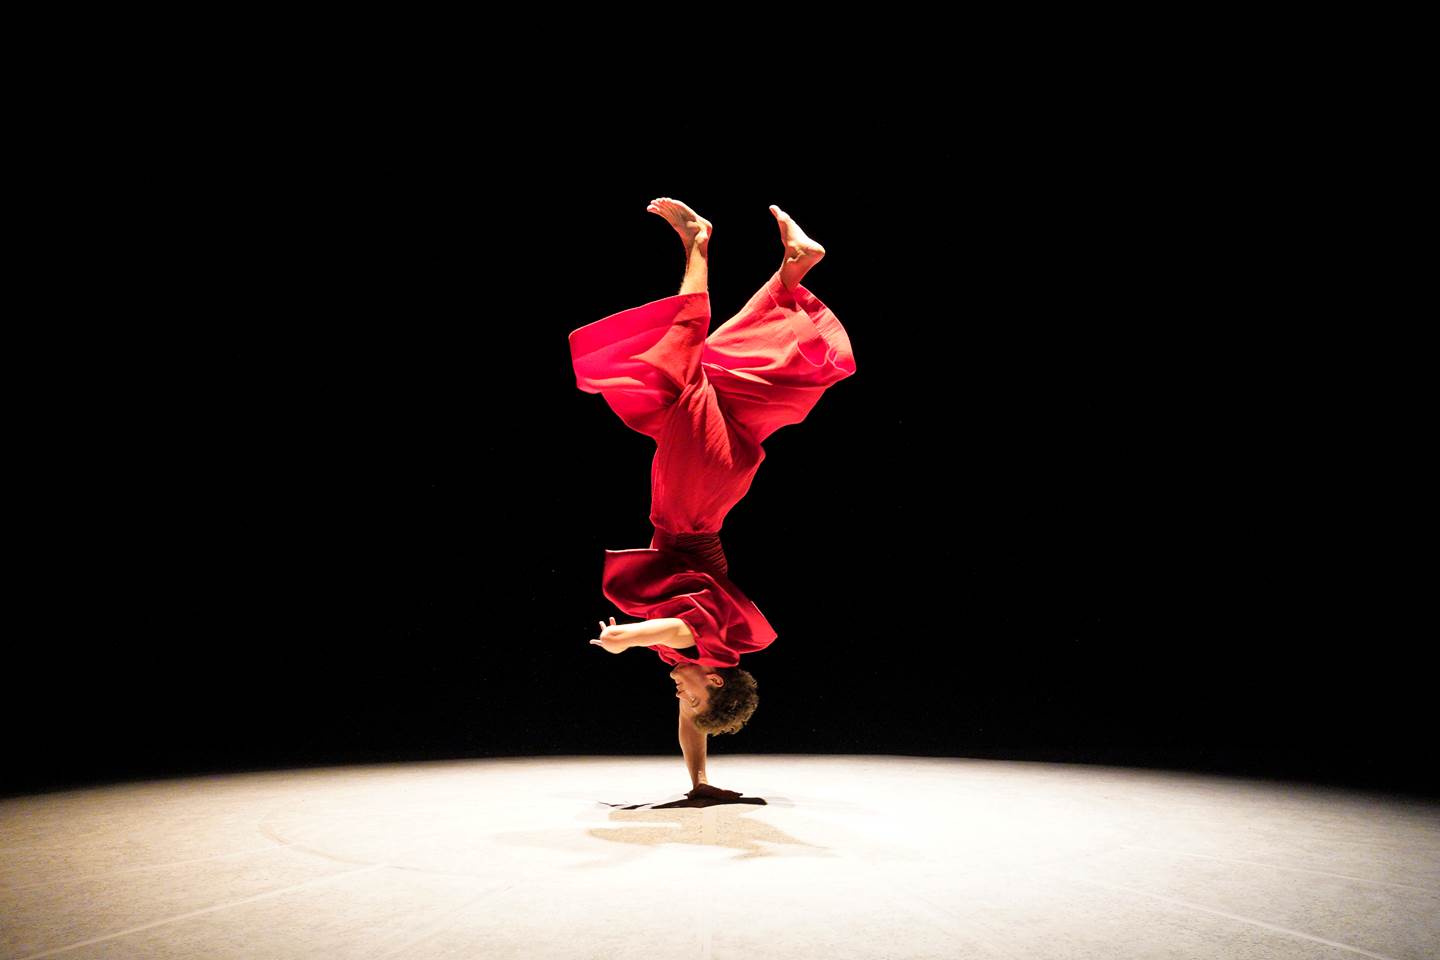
x: 708, y: 400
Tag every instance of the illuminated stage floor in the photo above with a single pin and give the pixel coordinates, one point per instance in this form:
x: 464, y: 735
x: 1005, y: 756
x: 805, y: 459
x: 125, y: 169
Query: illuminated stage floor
x: 850, y: 857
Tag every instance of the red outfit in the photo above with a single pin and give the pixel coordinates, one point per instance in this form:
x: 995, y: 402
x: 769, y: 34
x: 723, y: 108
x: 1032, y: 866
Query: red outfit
x: 708, y: 402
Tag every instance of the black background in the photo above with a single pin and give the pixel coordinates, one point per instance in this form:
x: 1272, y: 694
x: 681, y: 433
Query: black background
x: 315, y: 485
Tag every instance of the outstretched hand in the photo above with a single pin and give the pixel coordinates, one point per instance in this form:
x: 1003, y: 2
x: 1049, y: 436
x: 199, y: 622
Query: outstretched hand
x: 709, y: 792
x: 612, y: 638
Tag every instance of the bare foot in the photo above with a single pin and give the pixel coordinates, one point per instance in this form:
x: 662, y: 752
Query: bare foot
x: 801, y: 253
x: 693, y: 228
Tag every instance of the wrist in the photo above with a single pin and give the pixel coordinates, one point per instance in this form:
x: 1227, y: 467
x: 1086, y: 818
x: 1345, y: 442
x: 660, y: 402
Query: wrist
x: 645, y: 633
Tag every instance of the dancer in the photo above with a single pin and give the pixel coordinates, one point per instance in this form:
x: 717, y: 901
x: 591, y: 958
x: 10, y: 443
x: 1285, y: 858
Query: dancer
x: 708, y: 403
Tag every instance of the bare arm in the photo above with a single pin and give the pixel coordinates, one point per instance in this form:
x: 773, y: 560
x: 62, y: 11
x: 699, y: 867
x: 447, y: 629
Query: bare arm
x: 692, y: 744
x: 662, y: 631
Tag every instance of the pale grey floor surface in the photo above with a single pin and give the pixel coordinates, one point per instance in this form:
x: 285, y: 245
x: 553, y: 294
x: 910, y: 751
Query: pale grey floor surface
x: 853, y: 857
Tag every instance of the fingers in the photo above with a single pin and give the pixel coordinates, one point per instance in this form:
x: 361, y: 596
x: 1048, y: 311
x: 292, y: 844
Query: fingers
x: 599, y: 642
x: 711, y: 788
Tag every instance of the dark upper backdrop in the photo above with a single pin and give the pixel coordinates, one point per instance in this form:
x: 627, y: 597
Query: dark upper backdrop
x: 344, y: 502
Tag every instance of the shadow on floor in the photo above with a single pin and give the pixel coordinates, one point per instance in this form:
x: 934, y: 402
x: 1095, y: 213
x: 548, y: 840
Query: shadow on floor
x: 705, y: 795
x: 688, y: 802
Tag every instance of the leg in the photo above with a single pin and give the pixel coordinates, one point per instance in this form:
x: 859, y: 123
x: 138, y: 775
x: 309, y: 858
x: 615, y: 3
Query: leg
x: 801, y: 253
x: 694, y: 232
x: 697, y: 270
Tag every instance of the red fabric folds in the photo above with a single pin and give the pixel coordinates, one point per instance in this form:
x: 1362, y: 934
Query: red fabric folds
x: 668, y: 579
x: 709, y: 403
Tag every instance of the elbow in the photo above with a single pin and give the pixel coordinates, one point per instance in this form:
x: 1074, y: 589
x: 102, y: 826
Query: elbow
x: 684, y: 634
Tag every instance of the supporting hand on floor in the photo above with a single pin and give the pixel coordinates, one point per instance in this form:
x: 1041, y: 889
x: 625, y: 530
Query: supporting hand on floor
x: 709, y: 792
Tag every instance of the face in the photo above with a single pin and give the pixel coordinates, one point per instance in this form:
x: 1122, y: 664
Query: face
x: 693, y: 686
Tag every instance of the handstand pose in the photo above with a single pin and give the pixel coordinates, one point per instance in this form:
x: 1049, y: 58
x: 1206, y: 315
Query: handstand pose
x: 708, y: 402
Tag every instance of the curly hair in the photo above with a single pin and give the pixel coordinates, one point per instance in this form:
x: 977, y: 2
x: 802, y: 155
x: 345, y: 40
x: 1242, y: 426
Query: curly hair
x: 731, y: 705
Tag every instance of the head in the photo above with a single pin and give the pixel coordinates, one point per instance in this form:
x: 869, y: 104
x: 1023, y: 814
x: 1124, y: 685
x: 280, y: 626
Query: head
x: 718, y: 699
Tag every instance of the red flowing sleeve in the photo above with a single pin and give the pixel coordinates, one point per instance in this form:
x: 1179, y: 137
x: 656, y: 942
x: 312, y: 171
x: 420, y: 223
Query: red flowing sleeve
x: 772, y: 361
x: 641, y: 359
